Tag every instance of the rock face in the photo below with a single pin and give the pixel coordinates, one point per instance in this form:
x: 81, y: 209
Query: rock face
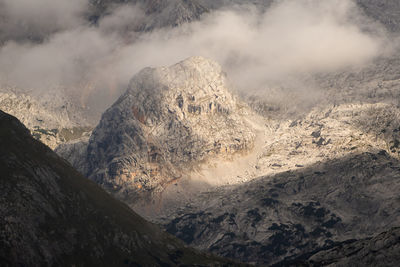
x: 325, y: 177
x: 52, y: 119
x: 381, y: 250
x: 51, y: 215
x: 295, y: 212
x: 74, y: 152
x: 169, y: 120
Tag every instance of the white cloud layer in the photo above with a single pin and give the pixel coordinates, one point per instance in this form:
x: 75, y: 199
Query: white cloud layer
x: 292, y: 39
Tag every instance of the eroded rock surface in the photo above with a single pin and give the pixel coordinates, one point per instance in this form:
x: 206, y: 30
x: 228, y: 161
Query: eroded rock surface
x: 52, y: 118
x: 380, y: 250
x: 168, y: 121
x: 294, y: 212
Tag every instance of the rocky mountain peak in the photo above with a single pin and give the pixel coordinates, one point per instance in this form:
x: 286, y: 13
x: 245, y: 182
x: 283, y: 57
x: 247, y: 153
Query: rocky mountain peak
x: 196, y: 86
x: 169, y: 120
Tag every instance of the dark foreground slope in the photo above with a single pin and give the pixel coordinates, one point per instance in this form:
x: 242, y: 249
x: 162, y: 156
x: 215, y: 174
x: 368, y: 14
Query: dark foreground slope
x: 50, y: 215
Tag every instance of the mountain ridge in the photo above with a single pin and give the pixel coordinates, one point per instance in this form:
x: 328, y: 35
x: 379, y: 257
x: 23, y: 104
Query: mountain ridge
x: 52, y: 215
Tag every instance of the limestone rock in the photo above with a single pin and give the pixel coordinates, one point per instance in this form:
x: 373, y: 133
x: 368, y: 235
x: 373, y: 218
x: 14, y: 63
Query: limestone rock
x: 52, y: 118
x: 169, y: 120
x: 295, y: 212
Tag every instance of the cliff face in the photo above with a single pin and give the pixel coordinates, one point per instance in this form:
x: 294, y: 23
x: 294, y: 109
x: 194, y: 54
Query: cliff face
x: 51, y: 215
x: 169, y: 120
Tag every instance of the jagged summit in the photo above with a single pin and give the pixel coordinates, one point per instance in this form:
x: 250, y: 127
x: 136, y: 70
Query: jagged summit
x: 169, y: 120
x: 181, y: 86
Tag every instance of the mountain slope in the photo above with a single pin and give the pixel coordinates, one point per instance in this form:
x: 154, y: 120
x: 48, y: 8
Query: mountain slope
x: 295, y: 212
x: 51, y: 215
x: 380, y: 250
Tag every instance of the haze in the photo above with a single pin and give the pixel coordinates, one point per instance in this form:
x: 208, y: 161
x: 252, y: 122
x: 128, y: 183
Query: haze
x: 290, y: 40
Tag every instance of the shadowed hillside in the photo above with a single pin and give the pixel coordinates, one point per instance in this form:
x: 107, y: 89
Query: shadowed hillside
x: 52, y: 215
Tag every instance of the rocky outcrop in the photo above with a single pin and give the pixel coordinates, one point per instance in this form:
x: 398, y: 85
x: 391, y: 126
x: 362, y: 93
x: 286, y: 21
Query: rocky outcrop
x: 169, y: 120
x: 50, y: 215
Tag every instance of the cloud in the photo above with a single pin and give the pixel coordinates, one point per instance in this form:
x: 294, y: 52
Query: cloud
x: 292, y: 38
x: 257, y: 49
x: 37, y: 19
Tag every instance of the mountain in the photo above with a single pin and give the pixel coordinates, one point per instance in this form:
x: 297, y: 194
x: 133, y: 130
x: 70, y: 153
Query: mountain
x: 169, y: 121
x: 318, y: 178
x: 288, y: 184
x: 307, y: 182
x: 51, y: 215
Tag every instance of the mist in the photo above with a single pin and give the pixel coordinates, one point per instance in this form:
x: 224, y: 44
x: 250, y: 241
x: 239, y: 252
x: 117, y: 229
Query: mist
x: 258, y: 50
x: 25, y: 19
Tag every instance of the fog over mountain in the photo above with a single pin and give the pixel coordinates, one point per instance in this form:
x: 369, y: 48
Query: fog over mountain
x: 265, y: 131
x: 61, y: 48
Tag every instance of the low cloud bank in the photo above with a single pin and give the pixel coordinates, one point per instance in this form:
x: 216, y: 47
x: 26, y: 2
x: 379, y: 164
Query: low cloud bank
x: 257, y: 49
